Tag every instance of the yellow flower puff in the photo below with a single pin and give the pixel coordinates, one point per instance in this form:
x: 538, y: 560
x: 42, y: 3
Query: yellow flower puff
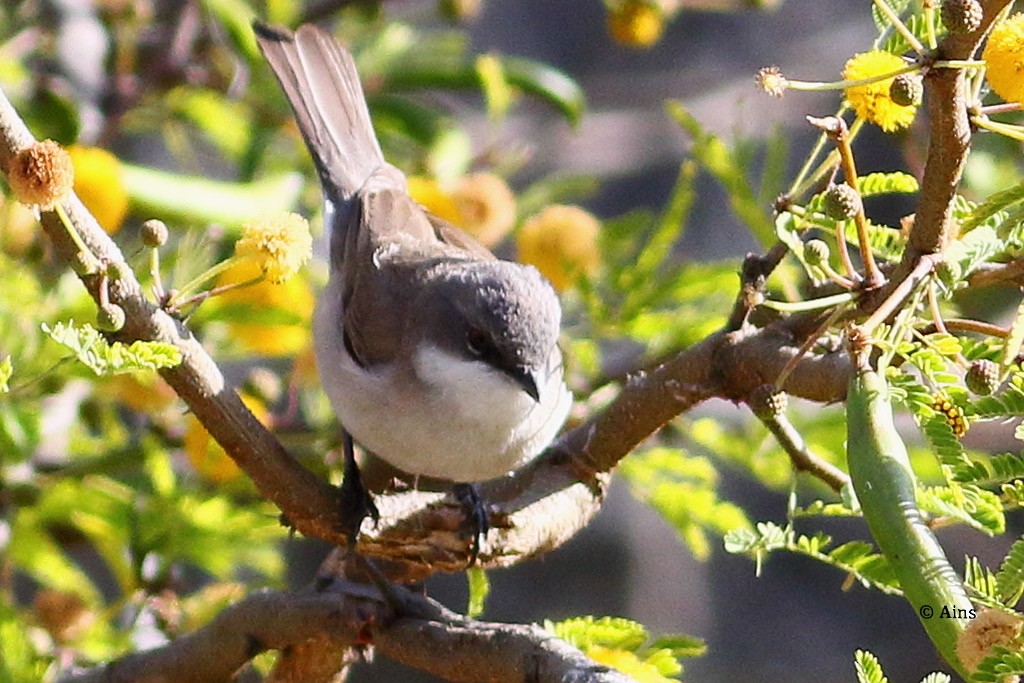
x: 561, y: 241
x: 628, y: 663
x: 41, y: 174
x: 432, y: 197
x: 487, y: 207
x: 636, y: 23
x: 18, y: 228
x: 98, y: 183
x: 872, y: 101
x: 282, y: 312
x: 1004, y: 57
x: 206, y: 455
x: 280, y: 244
x: 145, y: 392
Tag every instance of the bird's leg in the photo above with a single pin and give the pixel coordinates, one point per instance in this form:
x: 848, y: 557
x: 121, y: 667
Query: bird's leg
x: 356, y: 502
x: 476, y: 514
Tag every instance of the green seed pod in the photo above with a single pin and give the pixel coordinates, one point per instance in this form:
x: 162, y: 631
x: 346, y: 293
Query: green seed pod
x: 886, y: 489
x: 841, y: 202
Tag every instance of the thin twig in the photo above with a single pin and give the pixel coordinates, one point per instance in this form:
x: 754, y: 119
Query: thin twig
x: 922, y: 270
x: 801, y: 456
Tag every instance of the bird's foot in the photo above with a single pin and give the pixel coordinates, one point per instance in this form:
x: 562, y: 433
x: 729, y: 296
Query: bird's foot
x: 475, y: 510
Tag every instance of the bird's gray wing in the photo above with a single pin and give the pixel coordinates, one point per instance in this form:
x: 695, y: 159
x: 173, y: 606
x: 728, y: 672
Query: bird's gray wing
x: 386, y: 261
x: 453, y: 236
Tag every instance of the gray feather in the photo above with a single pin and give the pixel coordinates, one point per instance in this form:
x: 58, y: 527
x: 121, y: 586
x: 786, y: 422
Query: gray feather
x: 320, y: 80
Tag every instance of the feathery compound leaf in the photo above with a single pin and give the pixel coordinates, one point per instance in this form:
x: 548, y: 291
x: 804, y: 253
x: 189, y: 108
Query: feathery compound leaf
x: 980, y: 580
x: 103, y: 358
x: 886, y: 183
x: 860, y: 560
x: 968, y: 252
x: 969, y: 504
x: 856, y: 558
x: 996, y: 469
x: 936, y: 677
x: 722, y: 162
x: 999, y: 666
x: 868, y: 668
x: 944, y: 443
x: 1010, y: 577
x: 612, y: 632
x: 1010, y: 403
x: 682, y: 489
x: 1011, y: 228
x: 994, y: 204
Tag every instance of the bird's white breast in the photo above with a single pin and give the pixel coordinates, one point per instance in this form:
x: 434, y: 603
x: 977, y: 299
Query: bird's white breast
x: 437, y: 416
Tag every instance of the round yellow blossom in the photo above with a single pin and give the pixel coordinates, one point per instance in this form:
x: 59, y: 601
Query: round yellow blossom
x: 482, y: 204
x: 18, y: 228
x: 487, y: 207
x: 628, y: 663
x: 636, y: 23
x: 206, y: 455
x: 41, y: 174
x: 1004, y: 57
x: 771, y: 80
x: 432, y: 197
x: 561, y: 241
x: 144, y: 392
x: 872, y: 101
x: 98, y: 183
x: 288, y: 305
x: 280, y: 245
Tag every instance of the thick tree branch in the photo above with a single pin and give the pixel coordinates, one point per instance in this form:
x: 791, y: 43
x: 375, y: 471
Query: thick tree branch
x: 425, y: 635
x: 949, y: 139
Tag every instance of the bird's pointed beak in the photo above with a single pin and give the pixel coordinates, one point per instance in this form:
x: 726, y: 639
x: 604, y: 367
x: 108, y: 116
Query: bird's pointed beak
x: 529, y: 380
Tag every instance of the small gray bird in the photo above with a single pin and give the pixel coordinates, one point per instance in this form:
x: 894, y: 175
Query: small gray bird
x: 436, y: 356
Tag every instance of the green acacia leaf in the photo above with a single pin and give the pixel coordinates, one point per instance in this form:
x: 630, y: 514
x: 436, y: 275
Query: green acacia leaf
x: 610, y: 632
x: 1010, y: 577
x: 980, y: 580
x: 868, y: 668
x: 982, y: 213
x: 724, y: 164
x: 895, y: 182
x: 479, y: 589
x: 104, y: 358
x: 999, y: 666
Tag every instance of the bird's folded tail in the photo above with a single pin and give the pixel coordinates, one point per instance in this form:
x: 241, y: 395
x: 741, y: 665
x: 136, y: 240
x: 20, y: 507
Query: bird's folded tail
x: 320, y: 80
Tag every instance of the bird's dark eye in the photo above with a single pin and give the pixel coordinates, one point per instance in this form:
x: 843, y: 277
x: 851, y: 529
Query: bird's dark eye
x: 477, y: 342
